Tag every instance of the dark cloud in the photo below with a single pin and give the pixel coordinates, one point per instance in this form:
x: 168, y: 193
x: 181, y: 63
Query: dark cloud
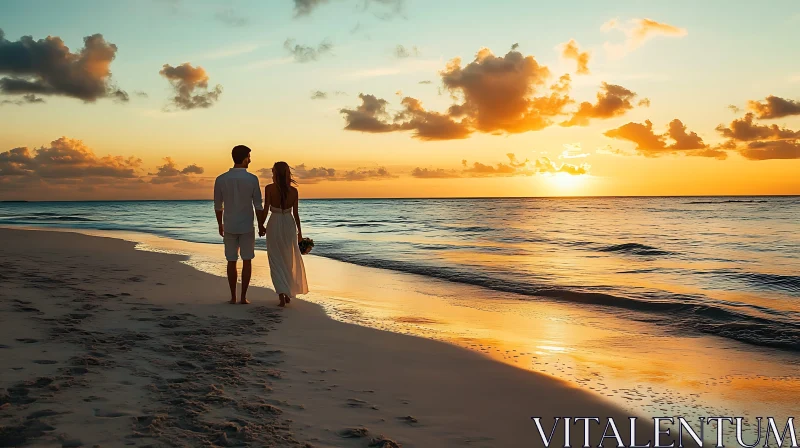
x: 66, y: 159
x: 191, y: 86
x: 431, y: 173
x: 169, y: 173
x: 318, y: 95
x: 781, y: 149
x: 305, y: 175
x: 570, y: 50
x: 426, y: 82
x: 733, y: 108
x: 427, y: 125
x: 612, y: 101
x: 305, y: 53
x: 230, y: 18
x: 140, y: 94
x: 650, y: 144
x: 48, y: 67
x: 312, y: 175
x: 745, y: 130
x: 371, y: 116
x: 403, y: 52
x: 367, y: 174
x: 762, y: 142
x: 774, y: 107
x: 644, y: 102
x: 305, y: 7
x: 28, y: 98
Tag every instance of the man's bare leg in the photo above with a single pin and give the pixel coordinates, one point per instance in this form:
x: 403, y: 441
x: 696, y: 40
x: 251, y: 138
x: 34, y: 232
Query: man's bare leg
x: 247, y: 268
x: 232, y: 277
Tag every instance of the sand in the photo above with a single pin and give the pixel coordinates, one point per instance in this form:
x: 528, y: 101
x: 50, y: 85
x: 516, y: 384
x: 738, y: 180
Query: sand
x: 103, y: 345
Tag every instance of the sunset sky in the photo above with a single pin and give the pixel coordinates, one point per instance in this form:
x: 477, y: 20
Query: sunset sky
x: 393, y: 98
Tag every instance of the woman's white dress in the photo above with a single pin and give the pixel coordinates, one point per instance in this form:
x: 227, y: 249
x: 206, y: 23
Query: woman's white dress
x: 285, y: 260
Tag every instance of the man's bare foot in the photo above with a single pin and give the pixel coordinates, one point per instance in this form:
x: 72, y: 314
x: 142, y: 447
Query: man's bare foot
x: 288, y: 299
x: 283, y: 301
x: 233, y: 301
x: 244, y: 301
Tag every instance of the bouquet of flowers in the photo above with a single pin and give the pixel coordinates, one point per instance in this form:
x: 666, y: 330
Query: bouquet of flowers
x: 306, y: 244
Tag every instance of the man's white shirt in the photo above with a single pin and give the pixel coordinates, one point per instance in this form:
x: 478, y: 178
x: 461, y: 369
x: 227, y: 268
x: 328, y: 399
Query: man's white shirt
x: 237, y: 193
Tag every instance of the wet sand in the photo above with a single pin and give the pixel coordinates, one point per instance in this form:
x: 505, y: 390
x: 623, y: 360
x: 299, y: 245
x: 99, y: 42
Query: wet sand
x: 103, y: 345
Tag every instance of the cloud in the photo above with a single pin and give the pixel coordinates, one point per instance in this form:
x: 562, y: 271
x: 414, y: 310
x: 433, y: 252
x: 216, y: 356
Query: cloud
x: 612, y: 101
x: 570, y: 50
x: 387, y: 8
x: 371, y: 116
x: 650, y: 144
x: 186, y: 80
x: 644, y: 102
x: 229, y: 17
x: 309, y: 176
x: 367, y: 174
x: 497, y: 95
x: 169, y: 173
x: 608, y: 150
x: 762, y: 142
x: 431, y: 173
x: 425, y: 82
x: 545, y: 165
x: 48, y: 67
x: 637, y: 32
x: 774, y: 107
x: 65, y: 159
x: 305, y: 175
x: 499, y: 92
x: 28, y: 98
x: 781, y: 149
x: 306, y: 7
x: 572, y: 151
x: 141, y: 94
x: 403, y: 52
x: 318, y: 95
x: 428, y: 125
x: 744, y: 129
x: 733, y: 108
x: 305, y: 53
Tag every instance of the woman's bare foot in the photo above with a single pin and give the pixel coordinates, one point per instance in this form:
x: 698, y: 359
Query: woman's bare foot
x: 244, y: 301
x: 233, y: 301
x: 288, y: 299
x: 283, y: 301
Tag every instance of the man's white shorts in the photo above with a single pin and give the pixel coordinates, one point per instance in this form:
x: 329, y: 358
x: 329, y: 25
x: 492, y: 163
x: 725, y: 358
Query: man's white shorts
x: 240, y: 243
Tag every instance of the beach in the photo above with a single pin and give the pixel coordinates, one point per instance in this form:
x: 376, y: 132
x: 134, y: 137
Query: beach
x: 105, y: 345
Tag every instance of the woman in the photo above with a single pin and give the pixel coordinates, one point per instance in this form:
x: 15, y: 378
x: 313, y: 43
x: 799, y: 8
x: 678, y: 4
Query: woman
x: 283, y: 235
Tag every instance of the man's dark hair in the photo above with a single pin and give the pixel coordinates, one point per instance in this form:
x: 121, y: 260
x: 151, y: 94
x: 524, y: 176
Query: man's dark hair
x: 239, y: 153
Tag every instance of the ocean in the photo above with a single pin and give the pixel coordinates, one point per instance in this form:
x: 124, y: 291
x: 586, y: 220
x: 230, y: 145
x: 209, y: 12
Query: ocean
x: 726, y: 266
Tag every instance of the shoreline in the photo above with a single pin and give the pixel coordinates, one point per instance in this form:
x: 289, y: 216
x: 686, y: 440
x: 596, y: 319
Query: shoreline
x: 310, y: 377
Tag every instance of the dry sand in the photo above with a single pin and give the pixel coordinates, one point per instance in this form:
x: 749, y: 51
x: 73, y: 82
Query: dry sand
x: 103, y: 345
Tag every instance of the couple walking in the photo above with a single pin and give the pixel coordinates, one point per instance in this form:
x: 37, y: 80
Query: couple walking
x: 237, y: 202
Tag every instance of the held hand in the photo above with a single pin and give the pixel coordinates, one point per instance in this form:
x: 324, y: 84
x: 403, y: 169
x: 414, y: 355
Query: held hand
x: 262, y: 230
x: 221, y: 231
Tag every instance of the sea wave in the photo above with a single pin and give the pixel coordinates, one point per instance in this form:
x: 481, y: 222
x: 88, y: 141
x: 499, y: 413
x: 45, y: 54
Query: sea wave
x: 635, y: 249
x: 679, y: 312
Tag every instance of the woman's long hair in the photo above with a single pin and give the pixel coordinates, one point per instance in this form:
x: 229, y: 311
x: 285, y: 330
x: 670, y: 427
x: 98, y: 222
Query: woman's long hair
x: 283, y: 179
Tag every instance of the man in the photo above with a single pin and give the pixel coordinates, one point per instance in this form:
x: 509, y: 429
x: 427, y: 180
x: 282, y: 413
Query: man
x: 236, y: 195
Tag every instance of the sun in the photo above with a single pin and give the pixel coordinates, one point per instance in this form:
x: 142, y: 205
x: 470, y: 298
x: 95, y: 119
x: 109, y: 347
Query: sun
x: 567, y: 184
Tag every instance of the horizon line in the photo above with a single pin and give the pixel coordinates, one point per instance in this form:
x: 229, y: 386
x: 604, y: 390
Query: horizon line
x: 431, y: 198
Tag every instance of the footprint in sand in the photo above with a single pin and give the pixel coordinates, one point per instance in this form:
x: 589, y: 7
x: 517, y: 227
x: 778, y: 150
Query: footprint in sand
x: 27, y: 340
